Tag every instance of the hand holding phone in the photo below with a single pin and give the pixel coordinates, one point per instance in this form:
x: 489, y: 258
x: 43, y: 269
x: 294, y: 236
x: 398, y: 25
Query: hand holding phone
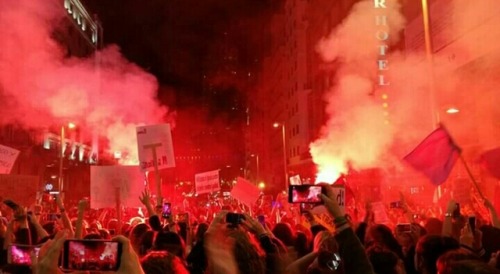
x: 305, y: 194
x: 166, y: 212
x: 22, y: 254
x: 91, y: 255
x: 234, y: 219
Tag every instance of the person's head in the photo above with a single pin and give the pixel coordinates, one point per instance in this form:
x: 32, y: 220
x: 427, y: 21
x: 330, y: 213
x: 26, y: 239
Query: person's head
x: 104, y: 234
x: 160, y: 262
x: 428, y: 250
x: 470, y: 267
x: 382, y: 235
x: 385, y: 261
x: 302, y: 245
x: 247, y: 253
x: 434, y: 226
x: 136, y: 234
x: 171, y: 242
x: 446, y: 260
x: 284, y: 232
x: 146, y: 243
x: 135, y: 221
x: 200, y: 231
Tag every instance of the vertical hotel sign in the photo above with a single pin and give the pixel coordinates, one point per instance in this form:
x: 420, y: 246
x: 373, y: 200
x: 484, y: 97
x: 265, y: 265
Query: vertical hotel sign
x: 382, y: 35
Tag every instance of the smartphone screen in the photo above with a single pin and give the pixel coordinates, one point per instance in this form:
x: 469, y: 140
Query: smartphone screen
x: 304, y: 194
x: 396, y: 204
x: 234, y: 218
x: 90, y: 255
x: 21, y: 254
x: 403, y: 228
x: 166, y: 210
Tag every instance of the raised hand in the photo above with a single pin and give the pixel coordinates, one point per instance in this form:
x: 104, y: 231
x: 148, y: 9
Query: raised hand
x: 145, y: 198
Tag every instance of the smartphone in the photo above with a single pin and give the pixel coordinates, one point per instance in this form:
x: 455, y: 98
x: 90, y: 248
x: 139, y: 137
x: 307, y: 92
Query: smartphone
x: 262, y: 220
x: 11, y: 204
x: 166, y: 211
x: 22, y: 254
x: 396, y: 204
x: 91, y: 255
x: 456, y: 212
x: 234, y: 218
x: 403, y: 228
x: 472, y: 223
x: 304, y: 194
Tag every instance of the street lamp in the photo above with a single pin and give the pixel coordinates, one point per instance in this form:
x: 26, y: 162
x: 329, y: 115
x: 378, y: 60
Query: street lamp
x: 283, y: 135
x: 257, y: 177
x: 61, y: 156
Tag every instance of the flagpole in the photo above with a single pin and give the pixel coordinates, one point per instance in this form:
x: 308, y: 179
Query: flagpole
x: 471, y: 176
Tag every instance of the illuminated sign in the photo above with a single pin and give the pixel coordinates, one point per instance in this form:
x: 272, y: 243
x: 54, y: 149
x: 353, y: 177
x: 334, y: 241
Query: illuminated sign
x: 382, y: 35
x: 82, y: 18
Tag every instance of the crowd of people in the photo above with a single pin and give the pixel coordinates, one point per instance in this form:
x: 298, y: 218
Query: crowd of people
x: 263, y: 241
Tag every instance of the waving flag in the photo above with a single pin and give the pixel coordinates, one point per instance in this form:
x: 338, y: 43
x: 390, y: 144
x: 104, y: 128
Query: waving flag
x: 435, y: 156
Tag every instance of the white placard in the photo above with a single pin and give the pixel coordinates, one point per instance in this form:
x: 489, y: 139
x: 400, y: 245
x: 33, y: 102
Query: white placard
x: 8, y: 157
x: 246, y: 192
x: 104, y: 180
x: 158, y: 137
x: 207, y: 182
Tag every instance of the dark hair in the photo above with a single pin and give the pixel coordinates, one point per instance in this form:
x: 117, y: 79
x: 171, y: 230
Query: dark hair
x: 430, y: 247
x: 171, y: 242
x: 302, y: 245
x: 146, y: 243
x: 383, y: 260
x: 136, y: 234
x: 382, y: 235
x: 247, y: 253
x: 434, y: 226
x: 284, y: 233
x: 445, y: 261
x: 470, y: 267
x: 200, y: 231
x: 160, y: 262
x: 93, y: 236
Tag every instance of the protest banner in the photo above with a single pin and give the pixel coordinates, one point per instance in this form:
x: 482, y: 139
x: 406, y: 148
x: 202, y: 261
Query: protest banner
x: 151, y: 139
x: 339, y: 194
x: 155, y: 151
x: 245, y: 192
x: 105, y: 180
x: 8, y: 157
x: 21, y: 189
x: 207, y: 182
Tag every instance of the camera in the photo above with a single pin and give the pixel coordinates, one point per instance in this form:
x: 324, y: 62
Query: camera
x: 304, y: 194
x: 91, y: 255
x: 234, y: 218
x: 403, y: 228
x: 166, y: 211
x: 22, y: 254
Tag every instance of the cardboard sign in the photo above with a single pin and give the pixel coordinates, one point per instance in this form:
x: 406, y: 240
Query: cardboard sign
x: 104, y: 180
x: 207, y: 182
x: 8, y: 157
x: 22, y: 189
x: 379, y: 213
x: 158, y: 138
x: 295, y: 180
x: 246, y: 192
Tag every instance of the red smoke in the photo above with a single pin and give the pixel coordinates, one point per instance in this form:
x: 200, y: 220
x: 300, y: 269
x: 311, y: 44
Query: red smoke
x: 39, y: 87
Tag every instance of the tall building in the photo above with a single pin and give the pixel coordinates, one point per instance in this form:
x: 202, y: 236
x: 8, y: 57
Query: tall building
x: 291, y: 88
x: 80, y: 35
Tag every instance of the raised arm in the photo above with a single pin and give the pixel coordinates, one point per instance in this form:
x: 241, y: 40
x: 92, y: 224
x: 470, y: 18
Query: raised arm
x: 82, y: 205
x: 64, y: 216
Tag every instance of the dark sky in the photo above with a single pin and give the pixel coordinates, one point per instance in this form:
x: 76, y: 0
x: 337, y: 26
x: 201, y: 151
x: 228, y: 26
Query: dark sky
x: 180, y: 41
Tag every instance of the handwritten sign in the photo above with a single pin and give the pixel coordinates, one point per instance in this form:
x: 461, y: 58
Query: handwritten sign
x: 22, y: 189
x: 8, y: 157
x: 104, y: 180
x: 207, y: 182
x: 339, y: 194
x: 246, y: 192
x: 158, y: 138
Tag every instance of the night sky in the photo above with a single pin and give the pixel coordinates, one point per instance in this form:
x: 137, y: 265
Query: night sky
x: 180, y: 42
